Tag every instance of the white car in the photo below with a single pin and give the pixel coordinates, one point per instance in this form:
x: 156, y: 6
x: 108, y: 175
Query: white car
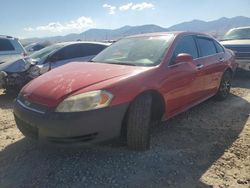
x: 238, y: 40
x: 10, y: 49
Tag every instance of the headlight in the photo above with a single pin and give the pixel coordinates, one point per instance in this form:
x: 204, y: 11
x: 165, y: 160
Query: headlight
x: 3, y: 74
x: 85, y: 101
x: 34, y: 71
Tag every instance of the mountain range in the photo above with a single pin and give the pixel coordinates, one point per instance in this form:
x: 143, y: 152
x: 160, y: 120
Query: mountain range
x: 216, y: 27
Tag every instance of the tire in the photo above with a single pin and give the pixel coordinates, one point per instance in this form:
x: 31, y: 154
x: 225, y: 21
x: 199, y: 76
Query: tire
x: 225, y: 86
x: 139, y: 123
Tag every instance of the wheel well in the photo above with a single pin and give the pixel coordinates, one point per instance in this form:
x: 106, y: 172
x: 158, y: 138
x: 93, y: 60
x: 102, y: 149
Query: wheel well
x: 158, y: 103
x: 158, y: 108
x: 230, y: 71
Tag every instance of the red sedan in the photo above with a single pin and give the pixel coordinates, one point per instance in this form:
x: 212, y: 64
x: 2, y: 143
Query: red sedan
x: 134, y: 82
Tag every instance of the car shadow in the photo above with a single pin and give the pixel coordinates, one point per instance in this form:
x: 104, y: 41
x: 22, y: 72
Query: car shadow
x: 183, y: 149
x: 6, y: 101
x: 241, y: 79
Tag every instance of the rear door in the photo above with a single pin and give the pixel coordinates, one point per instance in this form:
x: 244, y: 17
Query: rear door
x: 211, y: 60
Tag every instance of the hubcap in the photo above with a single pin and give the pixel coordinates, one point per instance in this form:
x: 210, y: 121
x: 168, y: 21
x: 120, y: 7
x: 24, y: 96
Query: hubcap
x: 225, y: 87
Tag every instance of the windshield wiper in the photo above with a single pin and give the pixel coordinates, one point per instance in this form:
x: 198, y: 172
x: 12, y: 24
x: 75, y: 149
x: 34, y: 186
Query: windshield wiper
x: 116, y: 63
x: 121, y: 63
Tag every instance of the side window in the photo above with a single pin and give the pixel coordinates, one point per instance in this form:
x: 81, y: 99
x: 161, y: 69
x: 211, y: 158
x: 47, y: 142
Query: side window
x: 206, y: 46
x: 68, y: 52
x: 37, y: 47
x: 58, y: 56
x: 186, y: 45
x: 72, y: 51
x: 92, y: 49
x: 77, y: 50
x: 5, y: 45
x: 218, y: 47
x: 82, y: 50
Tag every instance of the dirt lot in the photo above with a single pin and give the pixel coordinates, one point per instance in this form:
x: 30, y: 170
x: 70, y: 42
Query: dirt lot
x: 208, y: 146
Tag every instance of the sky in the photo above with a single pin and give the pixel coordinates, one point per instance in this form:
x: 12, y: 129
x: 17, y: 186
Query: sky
x: 41, y: 18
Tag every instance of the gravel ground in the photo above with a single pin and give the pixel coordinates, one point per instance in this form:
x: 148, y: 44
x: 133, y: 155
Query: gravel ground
x: 208, y: 146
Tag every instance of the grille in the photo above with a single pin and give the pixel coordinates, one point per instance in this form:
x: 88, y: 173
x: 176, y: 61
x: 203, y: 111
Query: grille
x: 241, y: 52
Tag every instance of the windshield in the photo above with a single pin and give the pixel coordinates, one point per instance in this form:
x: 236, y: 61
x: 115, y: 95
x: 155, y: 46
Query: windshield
x: 45, y: 51
x: 237, y: 34
x: 137, y: 51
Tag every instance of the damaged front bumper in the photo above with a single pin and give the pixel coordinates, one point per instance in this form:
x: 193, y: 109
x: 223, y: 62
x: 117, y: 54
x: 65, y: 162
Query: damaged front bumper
x: 3, y: 76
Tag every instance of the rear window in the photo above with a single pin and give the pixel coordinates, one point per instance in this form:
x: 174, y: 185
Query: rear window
x: 5, y: 45
x: 206, y: 46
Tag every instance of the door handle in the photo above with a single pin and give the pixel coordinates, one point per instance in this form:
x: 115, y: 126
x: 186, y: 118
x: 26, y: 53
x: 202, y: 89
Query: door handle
x: 199, y: 66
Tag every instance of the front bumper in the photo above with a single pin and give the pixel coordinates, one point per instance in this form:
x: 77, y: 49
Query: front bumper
x: 69, y: 128
x: 3, y: 76
x: 243, y: 64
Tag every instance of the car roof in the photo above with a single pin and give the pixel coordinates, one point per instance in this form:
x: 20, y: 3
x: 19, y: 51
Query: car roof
x: 175, y: 33
x: 8, y: 37
x: 245, y: 27
x: 83, y: 42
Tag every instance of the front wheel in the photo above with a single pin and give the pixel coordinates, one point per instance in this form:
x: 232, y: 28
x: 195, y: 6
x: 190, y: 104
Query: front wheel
x: 139, y: 123
x: 225, y: 86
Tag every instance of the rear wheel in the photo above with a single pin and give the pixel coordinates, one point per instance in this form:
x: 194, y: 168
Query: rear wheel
x: 139, y: 123
x: 225, y: 86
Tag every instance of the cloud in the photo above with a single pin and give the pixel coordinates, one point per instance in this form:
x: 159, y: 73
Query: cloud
x: 136, y: 7
x: 28, y: 29
x: 78, y: 24
x: 111, y: 9
x: 142, y: 6
x: 126, y: 7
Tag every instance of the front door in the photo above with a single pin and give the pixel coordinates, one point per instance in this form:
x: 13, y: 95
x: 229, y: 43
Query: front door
x: 182, y: 87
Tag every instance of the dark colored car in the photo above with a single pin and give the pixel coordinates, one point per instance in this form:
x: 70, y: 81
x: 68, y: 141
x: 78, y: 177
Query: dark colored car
x: 14, y: 75
x: 134, y: 82
x: 238, y: 40
x: 31, y: 48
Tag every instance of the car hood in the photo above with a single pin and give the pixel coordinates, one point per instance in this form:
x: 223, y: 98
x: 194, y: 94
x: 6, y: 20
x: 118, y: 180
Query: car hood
x: 235, y: 42
x: 51, y: 88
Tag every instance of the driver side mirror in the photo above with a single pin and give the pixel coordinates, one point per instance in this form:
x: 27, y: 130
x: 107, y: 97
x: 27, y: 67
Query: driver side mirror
x: 183, y: 57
